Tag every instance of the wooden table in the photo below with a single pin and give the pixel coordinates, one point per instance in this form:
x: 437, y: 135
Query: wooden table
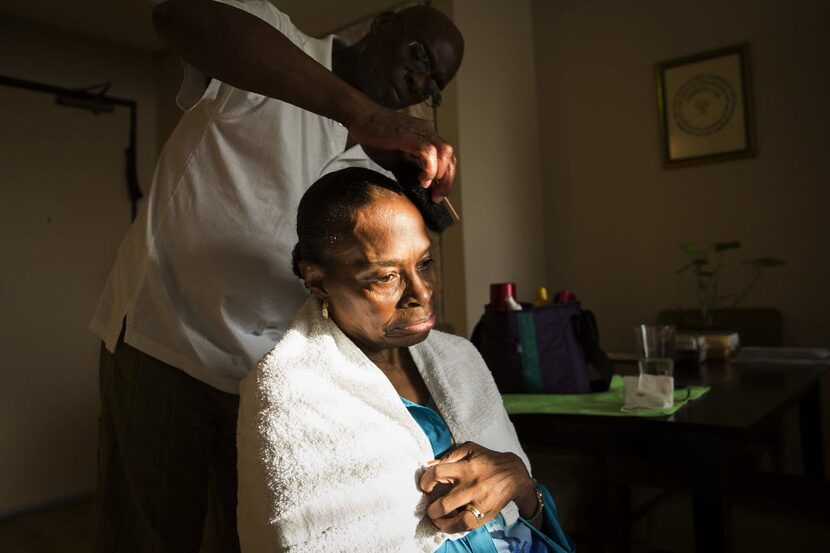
x: 704, y: 434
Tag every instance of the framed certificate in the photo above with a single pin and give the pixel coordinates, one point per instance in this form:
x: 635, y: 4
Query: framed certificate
x: 705, y: 107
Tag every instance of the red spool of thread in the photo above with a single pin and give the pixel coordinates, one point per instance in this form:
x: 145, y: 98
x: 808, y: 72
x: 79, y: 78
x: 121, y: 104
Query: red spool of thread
x: 499, y: 291
x: 564, y: 296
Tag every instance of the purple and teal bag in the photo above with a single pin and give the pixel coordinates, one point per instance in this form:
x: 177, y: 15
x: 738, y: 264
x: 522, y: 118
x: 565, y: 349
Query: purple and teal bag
x: 538, y: 350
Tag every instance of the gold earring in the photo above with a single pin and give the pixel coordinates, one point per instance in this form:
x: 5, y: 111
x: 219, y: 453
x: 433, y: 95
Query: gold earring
x: 325, y: 309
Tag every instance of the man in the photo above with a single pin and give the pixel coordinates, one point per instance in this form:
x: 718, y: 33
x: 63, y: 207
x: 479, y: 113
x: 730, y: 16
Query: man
x: 202, y: 286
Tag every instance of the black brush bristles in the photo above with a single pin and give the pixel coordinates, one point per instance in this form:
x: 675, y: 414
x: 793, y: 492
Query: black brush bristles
x: 436, y: 216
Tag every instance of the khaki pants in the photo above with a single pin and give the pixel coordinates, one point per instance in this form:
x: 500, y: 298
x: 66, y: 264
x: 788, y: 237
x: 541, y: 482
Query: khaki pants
x: 167, y: 447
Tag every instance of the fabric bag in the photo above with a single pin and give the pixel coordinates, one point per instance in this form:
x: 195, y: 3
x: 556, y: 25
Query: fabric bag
x: 538, y: 350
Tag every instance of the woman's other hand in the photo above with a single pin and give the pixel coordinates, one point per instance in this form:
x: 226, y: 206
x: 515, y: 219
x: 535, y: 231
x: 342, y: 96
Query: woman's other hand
x: 480, y: 478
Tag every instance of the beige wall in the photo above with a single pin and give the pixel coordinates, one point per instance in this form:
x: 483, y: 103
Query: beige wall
x: 453, y: 277
x: 499, y: 151
x: 168, y: 80
x: 614, y: 217
x: 63, y: 211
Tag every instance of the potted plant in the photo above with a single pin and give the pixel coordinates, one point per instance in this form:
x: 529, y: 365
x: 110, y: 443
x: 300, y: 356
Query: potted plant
x: 718, y: 310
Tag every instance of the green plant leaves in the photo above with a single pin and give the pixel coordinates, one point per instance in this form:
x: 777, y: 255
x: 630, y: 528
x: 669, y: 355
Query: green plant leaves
x: 723, y: 246
x: 763, y: 262
x: 693, y: 251
x: 707, y: 275
x: 699, y: 258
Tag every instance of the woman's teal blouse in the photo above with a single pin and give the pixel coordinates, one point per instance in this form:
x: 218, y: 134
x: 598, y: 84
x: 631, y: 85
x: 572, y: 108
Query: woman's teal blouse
x: 494, y: 536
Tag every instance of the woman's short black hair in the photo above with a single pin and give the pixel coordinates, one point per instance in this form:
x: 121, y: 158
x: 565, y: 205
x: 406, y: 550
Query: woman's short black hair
x: 328, y: 206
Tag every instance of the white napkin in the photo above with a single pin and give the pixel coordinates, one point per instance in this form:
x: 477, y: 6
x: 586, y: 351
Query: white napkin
x: 648, y: 391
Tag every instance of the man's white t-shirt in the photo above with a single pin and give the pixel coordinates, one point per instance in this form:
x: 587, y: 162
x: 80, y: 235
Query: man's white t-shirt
x: 204, y: 276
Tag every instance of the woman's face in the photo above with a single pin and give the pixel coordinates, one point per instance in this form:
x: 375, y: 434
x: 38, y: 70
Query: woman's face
x: 381, y: 280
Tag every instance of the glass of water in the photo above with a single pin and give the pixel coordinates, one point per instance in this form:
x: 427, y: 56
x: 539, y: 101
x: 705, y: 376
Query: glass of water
x: 655, y: 345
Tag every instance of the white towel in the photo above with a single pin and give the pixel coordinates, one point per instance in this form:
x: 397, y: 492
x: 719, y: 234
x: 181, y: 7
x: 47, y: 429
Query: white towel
x: 329, y: 457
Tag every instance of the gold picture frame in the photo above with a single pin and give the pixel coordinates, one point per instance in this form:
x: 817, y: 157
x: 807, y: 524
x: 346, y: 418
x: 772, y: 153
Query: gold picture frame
x: 705, y: 106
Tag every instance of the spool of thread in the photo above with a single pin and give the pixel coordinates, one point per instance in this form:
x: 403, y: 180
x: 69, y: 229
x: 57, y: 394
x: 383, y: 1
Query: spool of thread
x: 564, y: 296
x: 542, y: 298
x: 499, y: 291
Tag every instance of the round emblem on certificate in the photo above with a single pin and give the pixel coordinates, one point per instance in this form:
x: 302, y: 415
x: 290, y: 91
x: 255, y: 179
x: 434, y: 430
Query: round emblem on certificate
x: 704, y: 105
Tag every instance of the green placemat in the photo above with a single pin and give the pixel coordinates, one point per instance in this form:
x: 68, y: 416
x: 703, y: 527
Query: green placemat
x: 600, y: 403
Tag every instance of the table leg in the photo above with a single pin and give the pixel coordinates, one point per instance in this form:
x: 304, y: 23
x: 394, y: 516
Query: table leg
x: 710, y: 503
x: 618, y: 505
x: 812, y: 448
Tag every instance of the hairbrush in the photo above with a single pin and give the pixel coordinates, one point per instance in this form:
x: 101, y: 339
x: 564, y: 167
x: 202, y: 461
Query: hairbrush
x: 438, y: 217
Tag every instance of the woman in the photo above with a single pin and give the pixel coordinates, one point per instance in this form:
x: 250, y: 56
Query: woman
x: 364, y: 429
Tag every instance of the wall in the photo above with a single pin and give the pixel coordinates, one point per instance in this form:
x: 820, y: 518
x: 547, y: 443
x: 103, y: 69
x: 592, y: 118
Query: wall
x: 498, y: 144
x: 614, y: 218
x: 168, y: 80
x: 64, y: 210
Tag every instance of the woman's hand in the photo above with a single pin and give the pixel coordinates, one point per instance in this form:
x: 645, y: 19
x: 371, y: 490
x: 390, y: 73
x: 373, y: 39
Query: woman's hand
x: 481, y: 478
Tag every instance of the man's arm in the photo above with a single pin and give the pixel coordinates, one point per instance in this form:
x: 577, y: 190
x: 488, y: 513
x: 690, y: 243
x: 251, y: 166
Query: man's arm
x: 240, y: 49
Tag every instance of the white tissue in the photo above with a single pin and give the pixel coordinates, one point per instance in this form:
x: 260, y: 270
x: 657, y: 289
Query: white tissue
x: 648, y: 391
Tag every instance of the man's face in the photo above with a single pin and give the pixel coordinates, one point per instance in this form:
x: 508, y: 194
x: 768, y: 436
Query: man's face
x: 410, y: 58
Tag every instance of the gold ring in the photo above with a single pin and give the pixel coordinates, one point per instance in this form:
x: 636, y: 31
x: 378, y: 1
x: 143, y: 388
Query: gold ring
x: 476, y: 513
